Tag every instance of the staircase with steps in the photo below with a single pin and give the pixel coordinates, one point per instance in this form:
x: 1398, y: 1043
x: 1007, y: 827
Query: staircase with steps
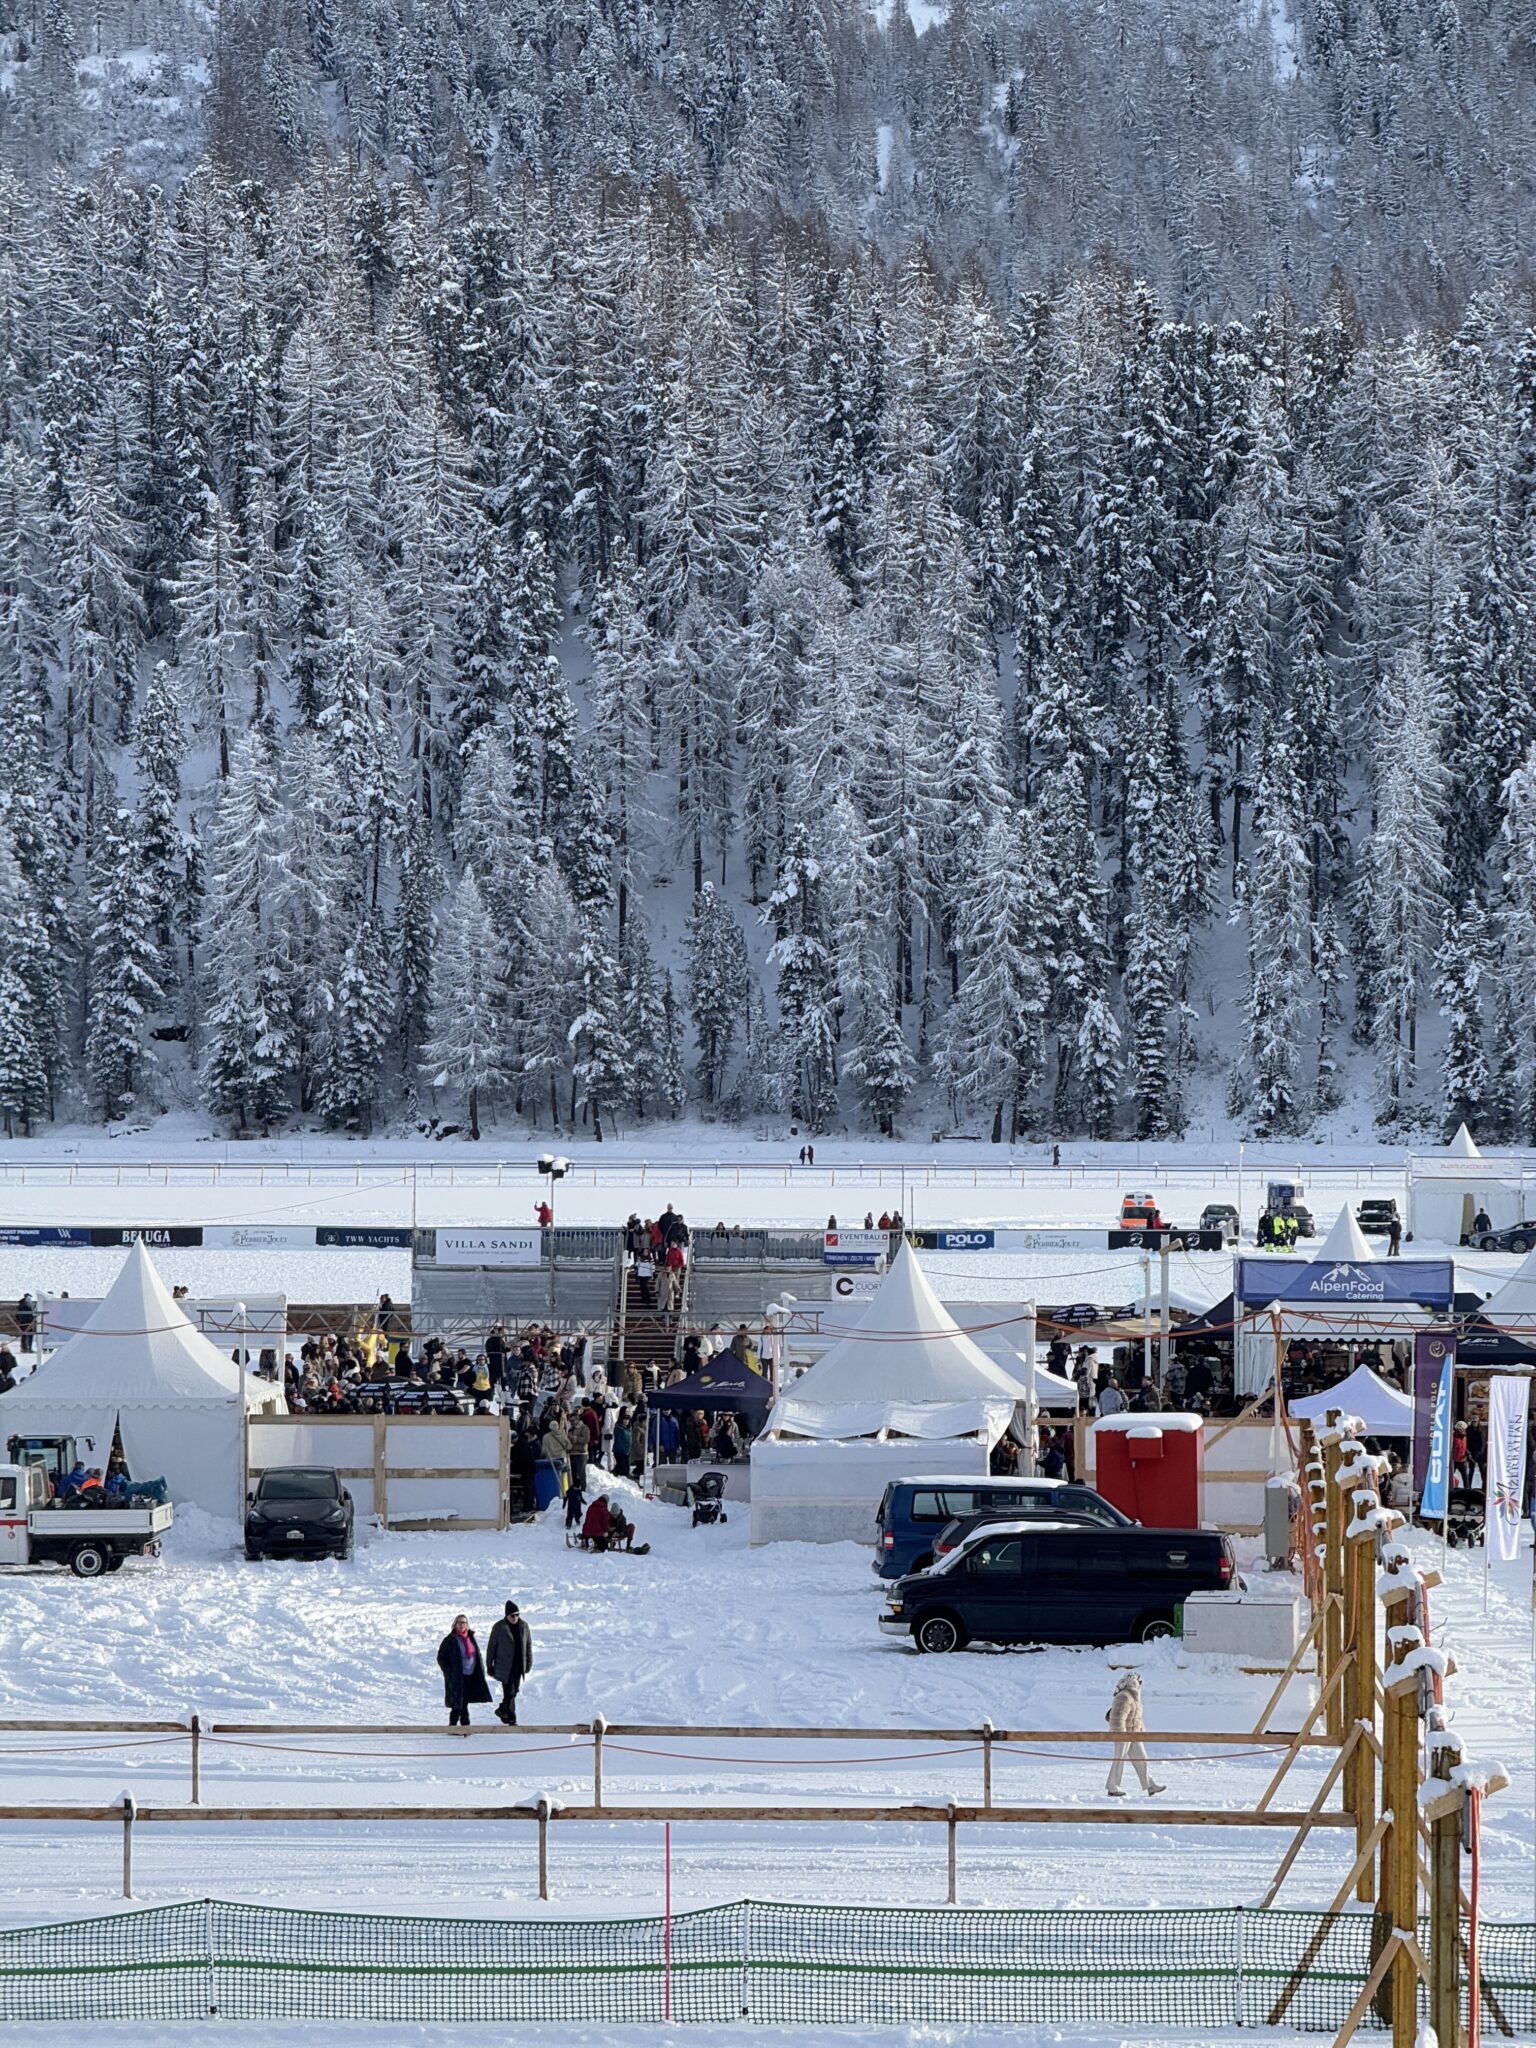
x: 643, y: 1336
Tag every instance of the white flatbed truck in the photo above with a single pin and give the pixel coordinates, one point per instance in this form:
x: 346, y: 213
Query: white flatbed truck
x: 93, y: 1540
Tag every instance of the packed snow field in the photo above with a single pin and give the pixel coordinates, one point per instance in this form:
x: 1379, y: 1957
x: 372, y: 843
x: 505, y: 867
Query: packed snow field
x: 704, y: 1630
x: 168, y: 1176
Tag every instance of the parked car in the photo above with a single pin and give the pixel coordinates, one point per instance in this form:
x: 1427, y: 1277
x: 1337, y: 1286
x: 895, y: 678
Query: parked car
x: 912, y: 1512
x: 1376, y: 1215
x: 299, y: 1511
x: 1066, y: 1502
x: 1514, y: 1237
x: 1058, y: 1582
x: 1223, y: 1217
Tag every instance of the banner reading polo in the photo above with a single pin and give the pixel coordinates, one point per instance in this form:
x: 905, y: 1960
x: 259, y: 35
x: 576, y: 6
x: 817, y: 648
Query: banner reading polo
x: 1508, y: 1402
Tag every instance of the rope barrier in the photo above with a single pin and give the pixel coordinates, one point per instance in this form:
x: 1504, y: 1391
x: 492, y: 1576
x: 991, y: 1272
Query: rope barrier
x: 575, y: 1746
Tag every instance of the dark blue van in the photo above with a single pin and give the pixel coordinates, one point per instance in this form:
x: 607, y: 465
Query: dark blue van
x: 913, y: 1511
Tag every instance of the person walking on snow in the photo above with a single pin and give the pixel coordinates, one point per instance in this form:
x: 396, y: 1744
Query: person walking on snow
x: 1124, y: 1717
x: 509, y: 1659
x: 463, y: 1669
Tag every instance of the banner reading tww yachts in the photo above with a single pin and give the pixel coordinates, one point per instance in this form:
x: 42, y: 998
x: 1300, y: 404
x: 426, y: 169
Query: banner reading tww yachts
x: 1508, y: 1400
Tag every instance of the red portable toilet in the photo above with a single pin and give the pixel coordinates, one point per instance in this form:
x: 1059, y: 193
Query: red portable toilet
x: 1151, y: 1467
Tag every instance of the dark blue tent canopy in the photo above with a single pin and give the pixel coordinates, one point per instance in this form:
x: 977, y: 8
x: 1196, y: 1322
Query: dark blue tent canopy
x: 724, y: 1381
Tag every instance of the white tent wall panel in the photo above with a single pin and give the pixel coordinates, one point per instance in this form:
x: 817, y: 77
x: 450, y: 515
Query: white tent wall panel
x: 436, y: 1471
x: 828, y: 1492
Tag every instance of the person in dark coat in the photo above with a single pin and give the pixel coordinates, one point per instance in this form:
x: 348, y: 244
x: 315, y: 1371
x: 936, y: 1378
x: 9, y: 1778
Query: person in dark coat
x: 463, y: 1669
x: 509, y: 1659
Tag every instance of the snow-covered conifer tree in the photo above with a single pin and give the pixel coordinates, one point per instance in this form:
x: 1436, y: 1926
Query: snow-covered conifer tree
x: 717, y: 988
x: 465, y: 1052
x: 125, y: 960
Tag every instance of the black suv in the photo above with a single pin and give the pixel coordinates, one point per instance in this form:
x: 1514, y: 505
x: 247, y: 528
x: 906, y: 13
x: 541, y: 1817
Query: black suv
x: 1058, y: 1583
x: 1376, y: 1215
x: 299, y: 1511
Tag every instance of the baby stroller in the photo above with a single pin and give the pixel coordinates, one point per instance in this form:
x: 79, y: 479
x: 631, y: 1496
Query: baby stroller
x: 1464, y: 1523
x: 707, y: 1497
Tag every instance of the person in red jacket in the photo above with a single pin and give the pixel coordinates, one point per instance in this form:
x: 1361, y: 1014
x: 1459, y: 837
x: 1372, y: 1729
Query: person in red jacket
x: 595, y: 1529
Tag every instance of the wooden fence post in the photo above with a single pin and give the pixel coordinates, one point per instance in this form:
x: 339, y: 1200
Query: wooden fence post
x: 986, y: 1763
x: 543, y: 1848
x: 1333, y: 1570
x: 1399, y: 1892
x: 1360, y: 1542
x: 129, y: 1811
x: 197, y: 1767
x: 1445, y: 1889
x: 598, y: 1726
x: 953, y: 1830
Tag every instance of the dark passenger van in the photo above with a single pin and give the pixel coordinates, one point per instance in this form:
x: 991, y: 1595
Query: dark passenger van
x: 1058, y: 1582
x: 913, y: 1511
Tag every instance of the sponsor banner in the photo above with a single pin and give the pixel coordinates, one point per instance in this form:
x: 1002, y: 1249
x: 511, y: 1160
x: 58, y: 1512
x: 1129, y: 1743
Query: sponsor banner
x: 489, y: 1247
x: 182, y: 1235
x: 1317, y: 1284
x: 344, y: 1237
x: 853, y: 1247
x: 258, y: 1237
x: 856, y: 1286
x: 1153, y: 1240
x: 1508, y: 1402
x: 42, y: 1234
x: 1048, y: 1238
x: 1437, y: 1465
x: 953, y: 1240
x: 1431, y: 1348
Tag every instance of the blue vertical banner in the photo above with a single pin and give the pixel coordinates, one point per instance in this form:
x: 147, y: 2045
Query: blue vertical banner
x: 1437, y: 1476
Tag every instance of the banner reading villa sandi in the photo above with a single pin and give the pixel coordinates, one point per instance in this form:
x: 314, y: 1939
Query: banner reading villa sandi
x: 1508, y: 1402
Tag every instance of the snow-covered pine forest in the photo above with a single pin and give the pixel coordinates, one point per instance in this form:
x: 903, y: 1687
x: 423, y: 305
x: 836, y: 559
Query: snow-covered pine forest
x: 580, y: 561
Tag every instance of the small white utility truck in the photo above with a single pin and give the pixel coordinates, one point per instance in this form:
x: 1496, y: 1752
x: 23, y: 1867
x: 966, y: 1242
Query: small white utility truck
x: 90, y: 1540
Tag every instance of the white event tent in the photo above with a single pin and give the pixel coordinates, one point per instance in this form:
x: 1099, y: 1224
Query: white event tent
x: 140, y: 1367
x: 1381, y: 1407
x: 904, y: 1394
x: 1447, y: 1190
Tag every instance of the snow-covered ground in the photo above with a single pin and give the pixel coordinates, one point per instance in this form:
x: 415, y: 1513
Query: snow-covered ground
x: 704, y: 1630
x: 169, y: 1175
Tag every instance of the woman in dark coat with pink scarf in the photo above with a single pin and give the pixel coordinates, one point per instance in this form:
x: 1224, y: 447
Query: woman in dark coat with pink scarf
x: 463, y: 1669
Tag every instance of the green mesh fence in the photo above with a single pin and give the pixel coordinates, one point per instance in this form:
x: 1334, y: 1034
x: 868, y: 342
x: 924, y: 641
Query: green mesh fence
x: 773, y: 1964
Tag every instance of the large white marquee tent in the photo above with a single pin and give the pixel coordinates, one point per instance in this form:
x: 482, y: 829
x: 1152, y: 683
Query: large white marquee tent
x: 905, y: 1394
x: 138, y: 1366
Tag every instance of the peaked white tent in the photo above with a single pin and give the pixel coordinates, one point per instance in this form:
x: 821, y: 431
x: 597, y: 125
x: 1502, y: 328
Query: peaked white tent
x: 905, y: 1347
x: 1346, y: 1241
x: 1513, y: 1305
x: 137, y: 1365
x: 904, y: 1394
x: 1448, y: 1189
x: 1384, y: 1409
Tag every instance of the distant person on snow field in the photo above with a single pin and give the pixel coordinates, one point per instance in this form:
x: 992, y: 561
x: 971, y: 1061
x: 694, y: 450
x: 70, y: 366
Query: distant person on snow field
x: 509, y: 1659
x: 463, y: 1669
x: 1124, y: 1717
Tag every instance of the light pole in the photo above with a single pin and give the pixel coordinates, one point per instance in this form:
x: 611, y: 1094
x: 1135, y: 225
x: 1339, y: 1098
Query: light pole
x: 245, y: 1351
x: 553, y: 1169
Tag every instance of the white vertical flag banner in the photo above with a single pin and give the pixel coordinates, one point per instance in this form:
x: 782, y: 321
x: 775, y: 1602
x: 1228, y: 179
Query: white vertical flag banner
x: 1508, y: 1402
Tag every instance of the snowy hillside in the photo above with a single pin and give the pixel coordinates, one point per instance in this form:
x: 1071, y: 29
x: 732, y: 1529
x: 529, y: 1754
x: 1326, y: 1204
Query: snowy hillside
x: 575, y: 566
